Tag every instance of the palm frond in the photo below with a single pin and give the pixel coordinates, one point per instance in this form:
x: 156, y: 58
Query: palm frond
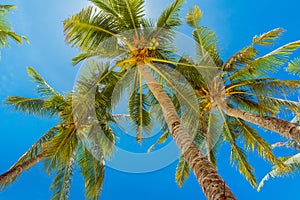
x: 133, y: 13
x: 170, y: 16
x: 294, y: 67
x: 276, y: 87
x: 249, y: 103
x: 244, y: 56
x: 162, y: 139
x: 127, y: 14
x: 138, y: 109
x: 88, y: 30
x: 206, y: 46
x: 278, y: 103
x: 33, y: 106
x: 61, y: 184
x: 293, y: 164
x: 93, y: 171
x: 43, y: 88
x: 267, y: 64
x: 214, y: 134
x: 59, y: 150
x: 5, y: 30
x: 254, y: 141
x: 267, y: 38
x: 7, y: 7
x: 194, y: 16
x: 182, y: 171
x: 237, y: 156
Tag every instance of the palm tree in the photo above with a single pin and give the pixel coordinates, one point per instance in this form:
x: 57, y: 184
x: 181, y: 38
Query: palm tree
x: 239, y: 91
x: 243, y: 88
x: 5, y: 30
x: 62, y: 148
x: 118, y: 30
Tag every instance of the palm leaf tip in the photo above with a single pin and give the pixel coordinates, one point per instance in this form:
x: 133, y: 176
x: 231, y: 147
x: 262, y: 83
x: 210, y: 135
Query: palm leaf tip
x: 267, y: 38
x: 44, y: 89
x: 182, y: 171
x: 292, y: 163
x: 7, y: 7
x: 170, y: 17
x: 194, y: 16
x: 294, y: 67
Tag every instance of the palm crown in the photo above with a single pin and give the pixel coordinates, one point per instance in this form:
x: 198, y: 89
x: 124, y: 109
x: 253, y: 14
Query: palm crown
x: 62, y: 147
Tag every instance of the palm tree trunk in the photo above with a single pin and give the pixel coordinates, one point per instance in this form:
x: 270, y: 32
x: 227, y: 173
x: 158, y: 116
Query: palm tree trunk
x: 210, y: 181
x: 16, y: 170
x: 284, y: 128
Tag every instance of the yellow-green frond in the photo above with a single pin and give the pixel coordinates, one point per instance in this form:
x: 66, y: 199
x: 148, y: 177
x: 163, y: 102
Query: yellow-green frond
x: 182, y: 171
x: 61, y: 183
x: 267, y: 38
x: 194, y: 16
x: 92, y: 170
x: 43, y: 88
x: 170, y: 17
x: 294, y: 67
x: 267, y: 64
x: 293, y: 163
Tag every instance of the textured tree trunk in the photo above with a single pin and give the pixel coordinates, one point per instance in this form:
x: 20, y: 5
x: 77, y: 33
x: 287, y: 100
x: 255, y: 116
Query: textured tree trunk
x: 282, y: 127
x: 210, y: 181
x: 16, y: 170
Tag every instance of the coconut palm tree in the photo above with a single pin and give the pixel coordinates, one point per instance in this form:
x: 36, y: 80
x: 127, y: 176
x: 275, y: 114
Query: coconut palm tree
x: 5, y: 30
x: 118, y: 30
x: 243, y: 88
x: 239, y: 91
x: 62, y: 148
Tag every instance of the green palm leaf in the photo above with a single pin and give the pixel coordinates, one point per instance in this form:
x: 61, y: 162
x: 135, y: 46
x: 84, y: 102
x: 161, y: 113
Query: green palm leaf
x: 5, y: 30
x: 93, y: 171
x: 89, y: 28
x: 60, y: 149
x: 248, y: 54
x: 271, y: 62
x: 182, y: 171
x: 294, y: 67
x: 237, y: 156
x: 33, y: 106
x: 170, y: 17
x: 244, y: 56
x: 127, y: 14
x: 194, y: 16
x: 293, y: 164
x: 44, y: 89
x: 162, y: 139
x: 61, y: 184
x: 139, y: 114
x: 254, y: 141
x: 267, y: 38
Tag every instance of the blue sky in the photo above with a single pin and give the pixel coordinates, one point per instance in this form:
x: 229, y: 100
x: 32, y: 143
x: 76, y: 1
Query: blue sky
x: 235, y: 22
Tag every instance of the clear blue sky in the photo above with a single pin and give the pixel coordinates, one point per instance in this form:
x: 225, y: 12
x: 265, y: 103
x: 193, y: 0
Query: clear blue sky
x: 235, y: 23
